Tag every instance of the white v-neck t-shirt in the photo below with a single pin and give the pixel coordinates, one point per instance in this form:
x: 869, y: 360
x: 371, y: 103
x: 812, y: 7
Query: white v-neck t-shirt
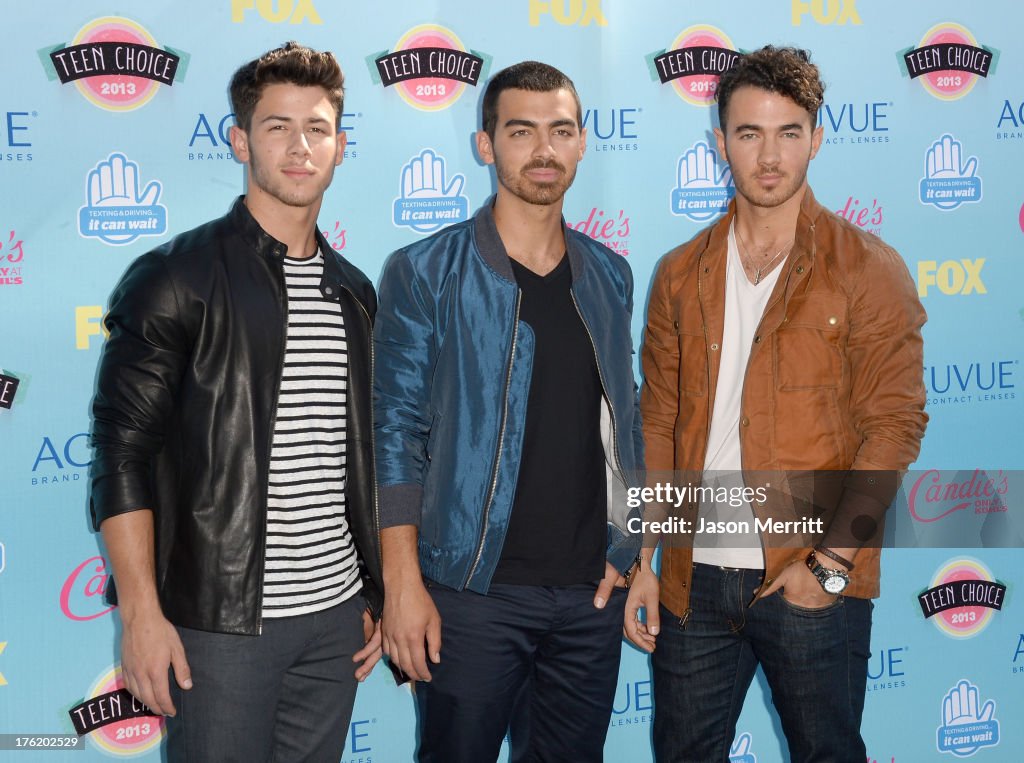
x: 745, y: 303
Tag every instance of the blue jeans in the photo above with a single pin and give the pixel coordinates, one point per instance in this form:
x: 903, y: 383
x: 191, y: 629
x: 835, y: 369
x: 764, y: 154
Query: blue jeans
x: 815, y: 660
x: 538, y: 662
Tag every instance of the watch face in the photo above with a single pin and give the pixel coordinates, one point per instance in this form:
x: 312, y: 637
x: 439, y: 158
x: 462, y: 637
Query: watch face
x: 834, y: 584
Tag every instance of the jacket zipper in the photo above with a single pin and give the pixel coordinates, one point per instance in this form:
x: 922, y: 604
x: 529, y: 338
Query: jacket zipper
x: 604, y: 387
x: 373, y: 444
x: 501, y: 443
x: 279, y: 272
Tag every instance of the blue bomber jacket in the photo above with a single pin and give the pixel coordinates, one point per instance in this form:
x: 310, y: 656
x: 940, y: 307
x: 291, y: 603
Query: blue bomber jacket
x: 452, y: 380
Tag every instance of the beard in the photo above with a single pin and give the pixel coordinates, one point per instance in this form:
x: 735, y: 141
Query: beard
x: 752, y: 191
x: 282, y: 190
x: 530, y: 191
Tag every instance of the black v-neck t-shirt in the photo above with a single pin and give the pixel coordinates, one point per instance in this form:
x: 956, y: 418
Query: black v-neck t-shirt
x: 557, y: 531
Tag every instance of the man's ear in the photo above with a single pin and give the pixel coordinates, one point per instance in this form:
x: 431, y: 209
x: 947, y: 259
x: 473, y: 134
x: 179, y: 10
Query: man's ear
x: 484, y: 147
x: 342, y: 142
x: 816, y: 138
x: 239, y: 143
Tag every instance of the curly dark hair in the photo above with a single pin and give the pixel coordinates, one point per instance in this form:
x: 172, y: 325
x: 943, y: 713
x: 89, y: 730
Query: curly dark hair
x: 526, y: 75
x: 293, y: 64
x: 786, y: 71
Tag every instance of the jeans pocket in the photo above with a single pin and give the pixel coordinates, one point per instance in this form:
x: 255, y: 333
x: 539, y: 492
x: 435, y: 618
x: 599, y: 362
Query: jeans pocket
x: 809, y: 611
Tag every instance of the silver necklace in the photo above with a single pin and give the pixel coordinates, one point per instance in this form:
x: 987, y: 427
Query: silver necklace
x: 760, y: 270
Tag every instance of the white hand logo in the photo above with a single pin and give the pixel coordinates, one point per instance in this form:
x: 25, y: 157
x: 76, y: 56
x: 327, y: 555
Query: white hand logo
x: 115, y: 183
x: 944, y: 157
x: 697, y: 168
x: 424, y: 177
x: 740, y: 750
x: 960, y: 706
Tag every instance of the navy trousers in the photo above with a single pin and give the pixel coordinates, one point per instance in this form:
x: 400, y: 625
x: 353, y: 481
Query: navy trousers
x: 538, y: 662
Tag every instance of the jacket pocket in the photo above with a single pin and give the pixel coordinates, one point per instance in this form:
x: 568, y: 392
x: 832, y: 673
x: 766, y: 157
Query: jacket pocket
x: 693, y: 364
x: 808, y: 345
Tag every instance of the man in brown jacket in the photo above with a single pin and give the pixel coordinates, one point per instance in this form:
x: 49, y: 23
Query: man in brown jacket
x: 783, y: 397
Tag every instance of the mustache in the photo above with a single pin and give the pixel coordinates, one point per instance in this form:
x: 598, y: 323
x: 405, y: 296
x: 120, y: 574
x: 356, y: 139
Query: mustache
x: 544, y: 164
x: 770, y: 172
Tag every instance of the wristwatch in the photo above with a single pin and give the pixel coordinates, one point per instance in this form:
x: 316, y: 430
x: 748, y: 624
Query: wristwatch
x: 832, y: 581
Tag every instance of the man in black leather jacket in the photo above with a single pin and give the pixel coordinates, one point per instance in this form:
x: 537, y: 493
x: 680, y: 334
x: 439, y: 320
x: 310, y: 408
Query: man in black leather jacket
x: 233, y: 475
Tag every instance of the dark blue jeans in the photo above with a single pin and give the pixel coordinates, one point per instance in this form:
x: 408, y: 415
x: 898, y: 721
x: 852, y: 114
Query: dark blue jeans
x: 815, y: 660
x: 538, y: 662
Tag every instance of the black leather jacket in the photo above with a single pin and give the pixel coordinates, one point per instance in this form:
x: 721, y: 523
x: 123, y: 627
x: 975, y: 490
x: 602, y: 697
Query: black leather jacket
x: 184, y: 414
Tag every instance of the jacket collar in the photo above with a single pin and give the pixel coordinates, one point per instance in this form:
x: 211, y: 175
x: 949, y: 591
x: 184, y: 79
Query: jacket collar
x: 493, y: 251
x: 336, y: 271
x: 717, y: 239
x: 262, y: 242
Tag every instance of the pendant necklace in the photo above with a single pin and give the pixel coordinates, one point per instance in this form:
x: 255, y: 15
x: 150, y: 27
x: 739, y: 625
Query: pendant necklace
x: 763, y: 268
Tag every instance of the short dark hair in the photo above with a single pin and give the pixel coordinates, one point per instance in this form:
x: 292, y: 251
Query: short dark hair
x: 526, y: 75
x: 292, y: 64
x: 786, y: 71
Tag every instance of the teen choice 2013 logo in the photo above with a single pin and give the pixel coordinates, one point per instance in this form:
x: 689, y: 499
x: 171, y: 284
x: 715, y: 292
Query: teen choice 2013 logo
x: 115, y: 63
x: 115, y: 721
x: 698, y: 56
x: 429, y: 67
x: 962, y: 598
x: 948, y: 61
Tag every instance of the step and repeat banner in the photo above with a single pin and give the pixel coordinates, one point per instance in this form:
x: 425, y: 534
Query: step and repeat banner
x: 113, y: 137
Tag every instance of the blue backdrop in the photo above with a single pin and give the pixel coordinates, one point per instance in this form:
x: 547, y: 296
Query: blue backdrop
x: 113, y: 137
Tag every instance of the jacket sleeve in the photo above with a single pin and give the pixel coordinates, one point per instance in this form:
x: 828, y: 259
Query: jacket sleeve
x: 404, y: 340
x: 885, y: 353
x: 139, y: 374
x: 659, y: 400
x: 637, y: 433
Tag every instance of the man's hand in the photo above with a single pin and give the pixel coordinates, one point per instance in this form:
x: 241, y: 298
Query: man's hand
x: 368, y: 656
x: 643, y: 594
x: 800, y: 587
x: 410, y: 620
x: 612, y: 579
x: 149, y: 644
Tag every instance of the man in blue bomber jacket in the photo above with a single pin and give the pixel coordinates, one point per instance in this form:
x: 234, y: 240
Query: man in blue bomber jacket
x: 507, y: 436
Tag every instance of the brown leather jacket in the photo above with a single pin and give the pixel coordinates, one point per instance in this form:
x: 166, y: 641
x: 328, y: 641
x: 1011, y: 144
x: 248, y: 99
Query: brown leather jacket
x: 834, y: 379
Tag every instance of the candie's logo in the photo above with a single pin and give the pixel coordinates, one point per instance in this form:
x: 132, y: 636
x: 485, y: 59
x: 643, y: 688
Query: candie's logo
x: 115, y: 721
x: 694, y: 62
x: 81, y: 596
x: 934, y: 496
x: 962, y: 598
x: 115, y: 63
x: 948, y: 61
x: 609, y: 229
x: 429, y: 67
x: 866, y: 216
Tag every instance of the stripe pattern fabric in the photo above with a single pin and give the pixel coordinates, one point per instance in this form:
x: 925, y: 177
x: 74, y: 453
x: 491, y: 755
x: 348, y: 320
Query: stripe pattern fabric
x: 311, y: 561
